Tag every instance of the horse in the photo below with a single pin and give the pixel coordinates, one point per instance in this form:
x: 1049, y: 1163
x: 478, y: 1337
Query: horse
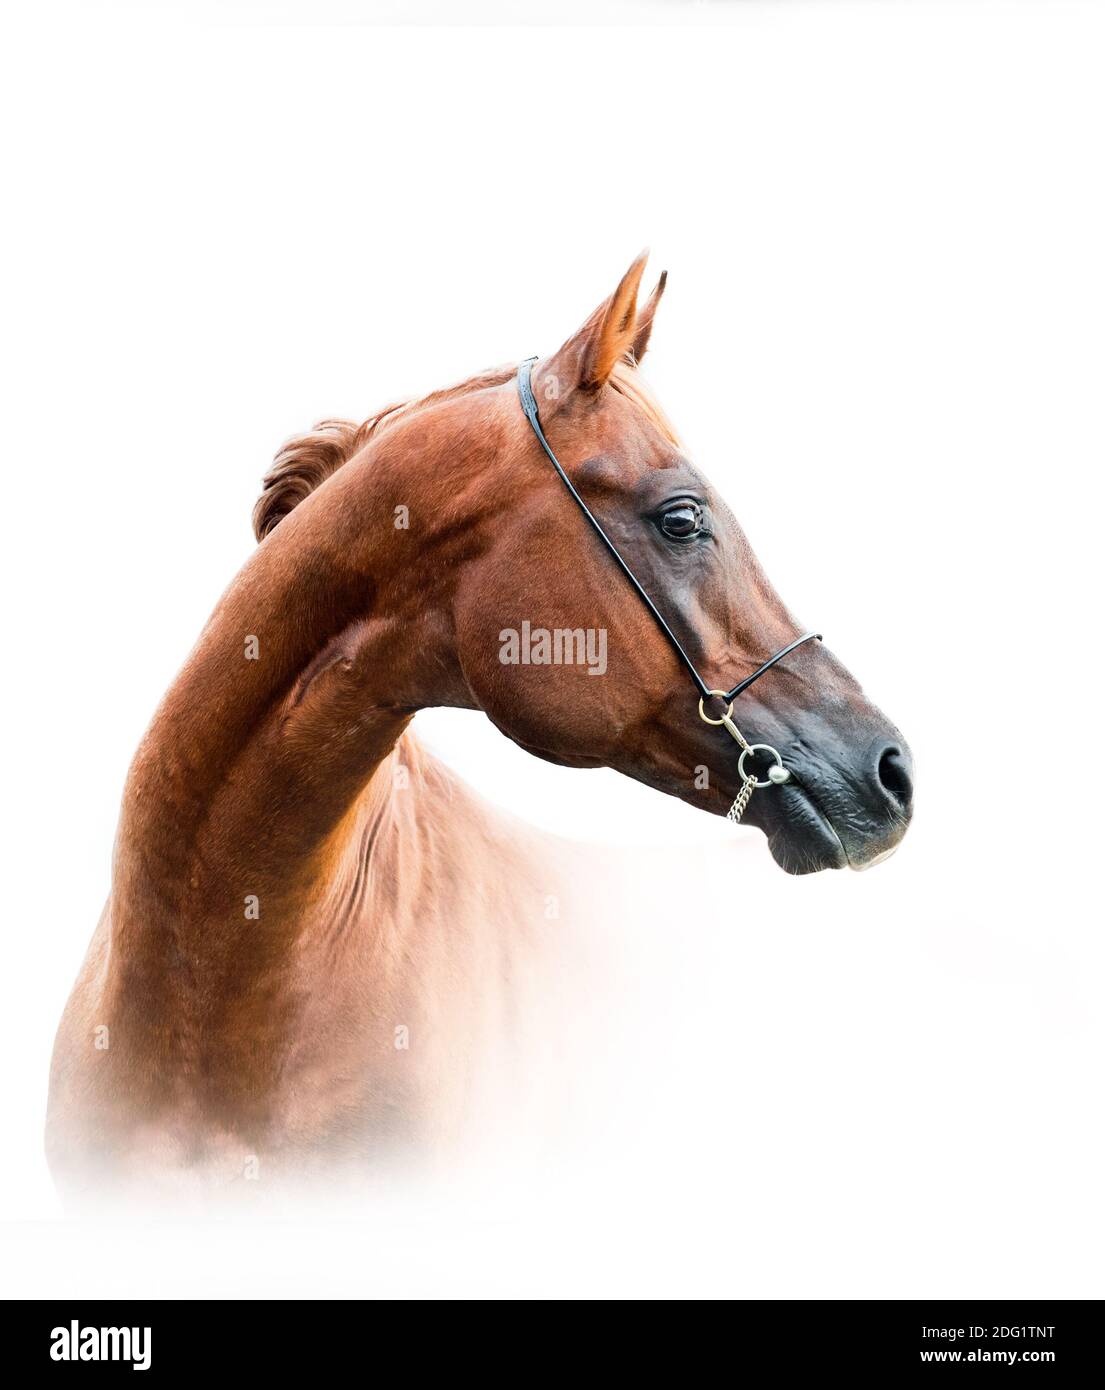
x: 320, y: 948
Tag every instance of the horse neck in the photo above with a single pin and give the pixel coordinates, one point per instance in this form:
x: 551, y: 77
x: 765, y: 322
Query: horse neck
x: 259, y: 769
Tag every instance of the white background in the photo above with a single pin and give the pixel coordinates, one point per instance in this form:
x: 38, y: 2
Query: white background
x: 882, y: 338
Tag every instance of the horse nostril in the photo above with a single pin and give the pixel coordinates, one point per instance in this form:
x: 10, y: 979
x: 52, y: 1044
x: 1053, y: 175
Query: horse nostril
x: 894, y: 775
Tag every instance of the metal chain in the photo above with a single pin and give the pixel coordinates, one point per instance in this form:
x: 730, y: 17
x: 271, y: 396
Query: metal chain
x: 744, y: 796
x: 776, y: 775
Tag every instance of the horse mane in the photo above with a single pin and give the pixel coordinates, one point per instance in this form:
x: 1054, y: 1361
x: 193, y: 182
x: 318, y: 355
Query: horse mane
x: 307, y: 460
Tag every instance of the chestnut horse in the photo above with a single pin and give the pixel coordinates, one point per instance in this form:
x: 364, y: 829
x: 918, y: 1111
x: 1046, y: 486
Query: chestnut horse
x: 320, y: 947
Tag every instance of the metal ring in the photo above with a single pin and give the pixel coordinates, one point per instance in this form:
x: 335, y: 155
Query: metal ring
x: 703, y: 715
x: 759, y: 748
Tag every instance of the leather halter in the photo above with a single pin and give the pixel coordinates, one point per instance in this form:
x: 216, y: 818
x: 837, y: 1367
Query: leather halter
x: 529, y: 406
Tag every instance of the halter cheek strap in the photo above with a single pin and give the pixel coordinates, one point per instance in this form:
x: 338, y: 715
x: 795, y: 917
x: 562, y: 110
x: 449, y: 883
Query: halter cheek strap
x: 777, y: 773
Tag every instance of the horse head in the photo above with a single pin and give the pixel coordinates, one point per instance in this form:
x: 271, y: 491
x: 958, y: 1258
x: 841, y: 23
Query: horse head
x: 499, y: 595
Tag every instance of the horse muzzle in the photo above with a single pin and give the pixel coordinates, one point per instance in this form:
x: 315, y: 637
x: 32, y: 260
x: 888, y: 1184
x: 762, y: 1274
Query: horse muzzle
x: 850, y: 810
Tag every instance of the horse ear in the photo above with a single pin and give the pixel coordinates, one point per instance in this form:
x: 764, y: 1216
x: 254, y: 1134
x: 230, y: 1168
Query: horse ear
x: 586, y: 360
x: 645, y: 317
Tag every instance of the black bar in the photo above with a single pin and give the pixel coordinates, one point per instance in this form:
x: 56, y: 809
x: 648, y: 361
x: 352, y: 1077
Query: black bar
x: 246, y: 1338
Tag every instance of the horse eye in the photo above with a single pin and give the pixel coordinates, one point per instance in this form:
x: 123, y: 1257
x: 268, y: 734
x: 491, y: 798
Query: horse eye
x: 682, y: 522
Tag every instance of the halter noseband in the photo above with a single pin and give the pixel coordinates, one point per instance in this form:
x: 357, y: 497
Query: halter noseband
x: 777, y: 773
